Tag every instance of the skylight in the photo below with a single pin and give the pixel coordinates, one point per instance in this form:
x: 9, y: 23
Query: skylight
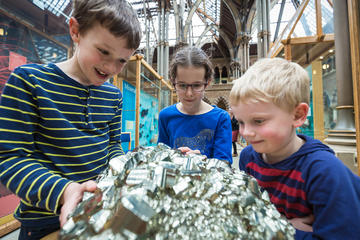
x: 57, y: 7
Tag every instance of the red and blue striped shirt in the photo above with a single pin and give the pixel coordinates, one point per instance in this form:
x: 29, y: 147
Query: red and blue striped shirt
x: 311, y: 181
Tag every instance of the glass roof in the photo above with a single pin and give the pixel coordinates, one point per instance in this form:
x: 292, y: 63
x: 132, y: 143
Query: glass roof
x: 306, y: 25
x: 198, y: 25
x: 211, y: 10
x: 209, y: 13
x: 288, y: 12
x: 57, y: 7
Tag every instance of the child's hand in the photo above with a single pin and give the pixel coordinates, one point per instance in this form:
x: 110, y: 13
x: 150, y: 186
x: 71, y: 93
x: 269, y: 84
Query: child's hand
x: 303, y: 224
x: 188, y: 150
x: 72, y: 196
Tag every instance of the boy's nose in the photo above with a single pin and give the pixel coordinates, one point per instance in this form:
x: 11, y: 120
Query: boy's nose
x: 246, y: 131
x: 113, y: 67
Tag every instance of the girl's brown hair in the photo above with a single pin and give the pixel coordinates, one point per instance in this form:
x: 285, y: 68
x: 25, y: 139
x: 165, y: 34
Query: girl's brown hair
x: 191, y: 56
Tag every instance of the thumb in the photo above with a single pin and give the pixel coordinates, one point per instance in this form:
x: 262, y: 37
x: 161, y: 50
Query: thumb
x: 309, y: 219
x: 88, y: 186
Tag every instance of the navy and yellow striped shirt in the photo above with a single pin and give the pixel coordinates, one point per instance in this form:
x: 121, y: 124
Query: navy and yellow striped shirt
x: 53, y: 130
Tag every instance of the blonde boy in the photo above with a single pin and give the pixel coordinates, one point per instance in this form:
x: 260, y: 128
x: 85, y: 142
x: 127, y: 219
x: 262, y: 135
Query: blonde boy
x: 306, y: 182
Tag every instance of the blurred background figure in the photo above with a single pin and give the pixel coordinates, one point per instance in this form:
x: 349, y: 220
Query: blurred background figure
x: 235, y: 132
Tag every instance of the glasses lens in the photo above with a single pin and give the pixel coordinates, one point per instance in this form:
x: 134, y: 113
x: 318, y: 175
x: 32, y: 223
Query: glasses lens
x: 198, y: 87
x: 181, y: 86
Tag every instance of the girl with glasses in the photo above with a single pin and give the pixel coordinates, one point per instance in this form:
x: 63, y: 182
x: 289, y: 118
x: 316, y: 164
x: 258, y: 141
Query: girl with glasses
x: 192, y: 125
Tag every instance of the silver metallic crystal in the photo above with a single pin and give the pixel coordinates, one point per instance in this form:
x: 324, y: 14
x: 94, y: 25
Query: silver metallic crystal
x: 160, y: 193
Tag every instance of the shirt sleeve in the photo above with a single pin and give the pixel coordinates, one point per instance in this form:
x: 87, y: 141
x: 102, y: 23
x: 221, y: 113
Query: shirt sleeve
x: 163, y: 133
x: 222, y: 139
x: 115, y: 148
x: 22, y: 169
x: 334, y: 193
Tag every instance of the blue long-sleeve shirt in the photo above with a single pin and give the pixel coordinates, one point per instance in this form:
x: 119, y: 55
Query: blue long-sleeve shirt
x: 53, y: 130
x: 311, y: 181
x: 210, y: 133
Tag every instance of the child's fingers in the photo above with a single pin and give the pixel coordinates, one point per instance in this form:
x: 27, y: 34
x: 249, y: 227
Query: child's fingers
x: 65, y: 211
x: 88, y: 186
x: 184, y: 149
x: 303, y: 224
x: 72, y: 196
x: 193, y: 151
x: 187, y: 150
x: 308, y: 219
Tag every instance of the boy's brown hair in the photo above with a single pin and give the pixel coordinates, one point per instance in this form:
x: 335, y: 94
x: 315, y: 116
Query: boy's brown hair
x: 115, y: 15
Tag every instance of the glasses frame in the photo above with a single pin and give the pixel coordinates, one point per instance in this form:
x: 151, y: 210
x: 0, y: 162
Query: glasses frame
x: 191, y: 86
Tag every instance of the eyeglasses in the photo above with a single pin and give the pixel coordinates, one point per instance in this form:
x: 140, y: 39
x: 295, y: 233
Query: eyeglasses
x: 196, y: 87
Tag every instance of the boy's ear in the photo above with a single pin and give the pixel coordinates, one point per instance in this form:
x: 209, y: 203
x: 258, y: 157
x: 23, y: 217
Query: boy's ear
x: 74, y: 29
x: 300, y: 114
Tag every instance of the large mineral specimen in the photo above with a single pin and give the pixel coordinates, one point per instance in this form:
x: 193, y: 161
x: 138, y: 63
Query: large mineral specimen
x: 160, y: 193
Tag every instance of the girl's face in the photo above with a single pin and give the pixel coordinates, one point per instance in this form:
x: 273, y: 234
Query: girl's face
x: 190, y: 85
x: 99, y: 55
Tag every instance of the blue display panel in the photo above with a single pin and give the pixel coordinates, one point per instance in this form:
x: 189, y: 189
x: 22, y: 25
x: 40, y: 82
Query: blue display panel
x: 149, y: 115
x: 128, y: 113
x: 149, y: 112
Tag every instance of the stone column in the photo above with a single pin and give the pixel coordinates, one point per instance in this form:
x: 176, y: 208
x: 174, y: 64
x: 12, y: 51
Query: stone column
x: 243, y: 52
x: 343, y: 137
x: 263, y: 27
x: 235, y: 67
x: 220, y: 73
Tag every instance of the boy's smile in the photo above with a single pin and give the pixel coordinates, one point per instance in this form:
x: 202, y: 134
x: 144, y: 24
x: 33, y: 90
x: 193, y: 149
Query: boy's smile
x: 101, y: 74
x: 268, y: 128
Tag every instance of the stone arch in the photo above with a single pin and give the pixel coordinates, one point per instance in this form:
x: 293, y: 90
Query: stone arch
x: 205, y: 99
x: 222, y: 103
x: 201, y: 42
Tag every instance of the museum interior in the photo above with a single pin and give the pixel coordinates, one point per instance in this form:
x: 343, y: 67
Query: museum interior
x: 323, y: 36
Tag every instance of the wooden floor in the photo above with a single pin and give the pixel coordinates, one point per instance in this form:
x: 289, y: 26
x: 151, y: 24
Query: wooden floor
x: 11, y: 236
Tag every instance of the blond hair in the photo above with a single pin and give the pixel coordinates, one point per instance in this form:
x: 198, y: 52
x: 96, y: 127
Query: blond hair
x: 276, y: 80
x: 117, y: 16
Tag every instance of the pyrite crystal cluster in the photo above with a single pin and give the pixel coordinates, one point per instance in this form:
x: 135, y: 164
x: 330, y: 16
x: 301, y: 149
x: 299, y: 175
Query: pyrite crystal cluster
x: 160, y: 193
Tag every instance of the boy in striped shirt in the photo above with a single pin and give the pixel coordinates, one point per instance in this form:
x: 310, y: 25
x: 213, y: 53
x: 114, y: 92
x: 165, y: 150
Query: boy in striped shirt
x: 61, y: 123
x: 312, y: 188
